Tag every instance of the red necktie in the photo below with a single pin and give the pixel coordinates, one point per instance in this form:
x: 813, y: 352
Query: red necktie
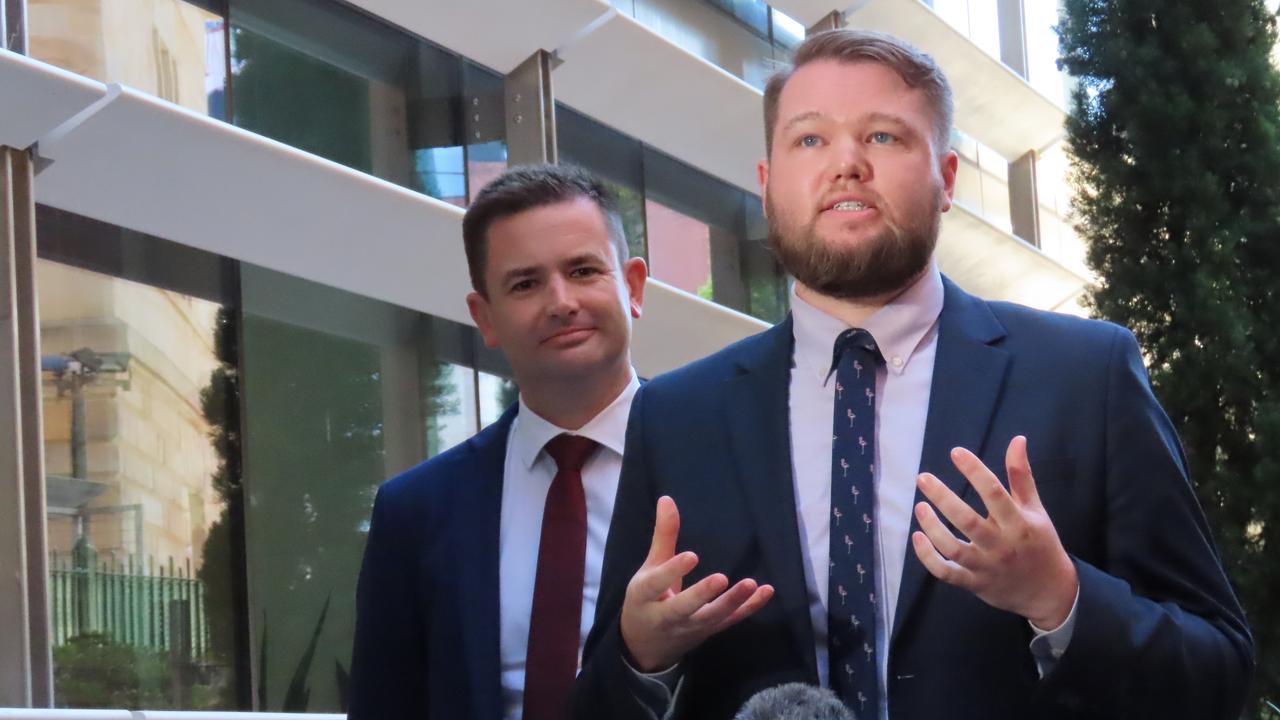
x: 552, y: 660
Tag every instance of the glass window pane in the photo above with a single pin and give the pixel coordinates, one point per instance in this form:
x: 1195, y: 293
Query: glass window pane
x: 141, y: 427
x: 341, y: 392
x: 369, y: 95
x: 708, y: 237
x: 615, y: 158
x: 486, y: 126
x: 172, y: 49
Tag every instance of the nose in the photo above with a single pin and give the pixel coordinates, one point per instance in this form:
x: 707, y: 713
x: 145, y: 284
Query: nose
x: 562, y: 302
x: 850, y: 162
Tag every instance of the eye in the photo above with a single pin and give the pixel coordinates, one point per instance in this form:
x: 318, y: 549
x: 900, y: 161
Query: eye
x: 584, y: 271
x: 522, y: 286
x: 809, y: 141
x: 881, y: 138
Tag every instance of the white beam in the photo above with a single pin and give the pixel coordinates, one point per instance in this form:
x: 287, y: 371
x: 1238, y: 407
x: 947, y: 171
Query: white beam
x: 497, y: 33
x: 638, y: 82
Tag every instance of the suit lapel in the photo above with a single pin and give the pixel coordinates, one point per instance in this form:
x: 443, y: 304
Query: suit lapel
x: 479, y: 506
x: 757, y: 410
x: 968, y: 374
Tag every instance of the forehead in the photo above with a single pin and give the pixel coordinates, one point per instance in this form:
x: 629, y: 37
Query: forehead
x: 848, y: 90
x: 547, y: 234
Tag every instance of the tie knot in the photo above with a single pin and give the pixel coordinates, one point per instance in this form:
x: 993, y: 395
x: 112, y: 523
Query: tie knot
x: 570, y: 451
x: 858, y: 341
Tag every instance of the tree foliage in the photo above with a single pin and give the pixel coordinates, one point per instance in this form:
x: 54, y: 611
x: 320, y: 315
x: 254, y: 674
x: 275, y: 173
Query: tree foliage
x: 1174, y: 132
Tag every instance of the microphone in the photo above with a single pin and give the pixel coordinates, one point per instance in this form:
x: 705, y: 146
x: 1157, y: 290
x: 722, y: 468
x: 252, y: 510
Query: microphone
x: 794, y: 701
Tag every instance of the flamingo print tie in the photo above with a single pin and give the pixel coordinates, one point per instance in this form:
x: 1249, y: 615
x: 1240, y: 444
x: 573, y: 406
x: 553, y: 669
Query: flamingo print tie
x: 851, y: 585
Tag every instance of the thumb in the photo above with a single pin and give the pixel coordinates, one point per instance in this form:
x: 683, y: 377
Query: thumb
x: 1022, y: 485
x: 666, y: 527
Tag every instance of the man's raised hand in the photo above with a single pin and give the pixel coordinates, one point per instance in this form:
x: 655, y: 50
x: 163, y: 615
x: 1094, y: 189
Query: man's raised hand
x: 660, y: 621
x: 1012, y: 559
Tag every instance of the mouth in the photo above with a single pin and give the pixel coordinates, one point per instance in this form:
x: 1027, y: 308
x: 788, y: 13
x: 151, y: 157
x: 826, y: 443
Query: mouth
x: 849, y: 206
x: 568, y: 336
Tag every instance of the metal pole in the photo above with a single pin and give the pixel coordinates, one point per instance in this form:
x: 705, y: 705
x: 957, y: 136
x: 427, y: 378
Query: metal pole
x: 13, y: 26
x: 15, y: 652
x: 32, y: 402
x: 531, y: 111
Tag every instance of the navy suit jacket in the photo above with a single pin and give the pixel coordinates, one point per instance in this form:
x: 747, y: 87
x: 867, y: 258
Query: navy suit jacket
x: 1158, y: 634
x: 426, y: 641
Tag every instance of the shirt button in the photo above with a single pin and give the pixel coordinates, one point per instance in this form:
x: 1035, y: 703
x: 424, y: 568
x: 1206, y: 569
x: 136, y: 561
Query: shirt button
x: 897, y: 361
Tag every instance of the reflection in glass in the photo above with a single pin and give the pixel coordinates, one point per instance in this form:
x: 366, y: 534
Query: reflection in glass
x: 341, y: 392
x: 485, y: 126
x: 172, y: 49
x: 708, y: 237
x: 496, y: 395
x: 370, y: 96
x: 615, y: 158
x: 142, y: 458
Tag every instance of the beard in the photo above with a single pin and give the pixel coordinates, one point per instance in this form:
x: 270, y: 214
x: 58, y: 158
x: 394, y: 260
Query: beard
x: 881, y: 264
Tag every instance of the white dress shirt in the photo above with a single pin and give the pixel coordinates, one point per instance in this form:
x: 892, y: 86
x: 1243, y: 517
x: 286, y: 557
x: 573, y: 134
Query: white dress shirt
x: 906, y: 331
x: 527, y: 475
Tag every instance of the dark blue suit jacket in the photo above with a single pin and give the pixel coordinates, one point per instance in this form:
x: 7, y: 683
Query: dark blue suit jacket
x: 1158, y: 634
x: 426, y: 643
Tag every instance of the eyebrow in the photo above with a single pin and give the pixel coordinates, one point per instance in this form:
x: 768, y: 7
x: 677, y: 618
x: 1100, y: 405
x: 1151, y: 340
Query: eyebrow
x: 519, y: 273
x: 895, y: 120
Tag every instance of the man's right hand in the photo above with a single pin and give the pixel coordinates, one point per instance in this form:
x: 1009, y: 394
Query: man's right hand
x: 660, y: 622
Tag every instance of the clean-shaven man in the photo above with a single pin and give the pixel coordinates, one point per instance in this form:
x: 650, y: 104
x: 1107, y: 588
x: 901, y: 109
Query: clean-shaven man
x: 482, y: 568
x: 938, y: 506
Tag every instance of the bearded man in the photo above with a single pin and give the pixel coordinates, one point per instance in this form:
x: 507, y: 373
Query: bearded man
x: 937, y: 506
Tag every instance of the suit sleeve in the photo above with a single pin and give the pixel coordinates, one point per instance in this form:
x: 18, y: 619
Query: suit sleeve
x: 1159, y: 631
x: 607, y: 687
x: 388, y: 665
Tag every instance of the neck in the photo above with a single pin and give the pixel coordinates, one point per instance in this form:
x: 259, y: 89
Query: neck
x: 571, y: 402
x: 852, y: 311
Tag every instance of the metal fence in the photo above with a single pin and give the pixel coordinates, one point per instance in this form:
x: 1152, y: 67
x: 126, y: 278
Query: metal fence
x: 153, y: 605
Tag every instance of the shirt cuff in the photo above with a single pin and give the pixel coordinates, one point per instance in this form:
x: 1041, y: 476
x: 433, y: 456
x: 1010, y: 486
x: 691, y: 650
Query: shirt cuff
x: 1048, y: 646
x: 656, y: 691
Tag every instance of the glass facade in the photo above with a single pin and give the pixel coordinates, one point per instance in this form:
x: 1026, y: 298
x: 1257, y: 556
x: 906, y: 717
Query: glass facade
x: 173, y: 49
x: 183, y: 551
x: 143, y: 466
x: 697, y: 233
x: 334, y: 82
x: 747, y: 38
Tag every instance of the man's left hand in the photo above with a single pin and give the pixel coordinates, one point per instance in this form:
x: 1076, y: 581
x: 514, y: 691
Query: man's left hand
x: 1013, y: 559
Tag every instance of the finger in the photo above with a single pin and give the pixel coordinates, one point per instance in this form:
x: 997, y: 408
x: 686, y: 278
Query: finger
x: 999, y: 505
x: 758, y: 599
x: 653, y: 582
x: 666, y: 526
x: 716, y: 611
x: 938, y: 566
x: 946, y: 543
x: 694, y: 597
x: 972, y: 525
x: 1021, y: 482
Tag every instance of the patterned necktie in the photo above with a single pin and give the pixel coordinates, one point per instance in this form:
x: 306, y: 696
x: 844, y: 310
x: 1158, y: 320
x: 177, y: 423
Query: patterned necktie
x: 551, y: 662
x: 851, y: 586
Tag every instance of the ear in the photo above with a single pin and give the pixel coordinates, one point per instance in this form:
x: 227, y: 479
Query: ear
x: 482, y: 315
x: 948, y: 166
x: 634, y: 273
x: 762, y: 175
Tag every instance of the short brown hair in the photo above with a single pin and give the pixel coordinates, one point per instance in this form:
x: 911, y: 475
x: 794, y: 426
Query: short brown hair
x: 916, y: 69
x: 527, y: 187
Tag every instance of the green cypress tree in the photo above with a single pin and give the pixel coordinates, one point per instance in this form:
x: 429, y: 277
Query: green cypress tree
x: 1174, y: 132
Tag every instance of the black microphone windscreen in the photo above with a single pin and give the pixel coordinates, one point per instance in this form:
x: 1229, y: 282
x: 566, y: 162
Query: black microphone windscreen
x: 794, y: 701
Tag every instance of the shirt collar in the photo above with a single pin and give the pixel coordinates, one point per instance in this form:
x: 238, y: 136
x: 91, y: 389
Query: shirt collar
x: 531, y: 432
x: 898, y: 327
